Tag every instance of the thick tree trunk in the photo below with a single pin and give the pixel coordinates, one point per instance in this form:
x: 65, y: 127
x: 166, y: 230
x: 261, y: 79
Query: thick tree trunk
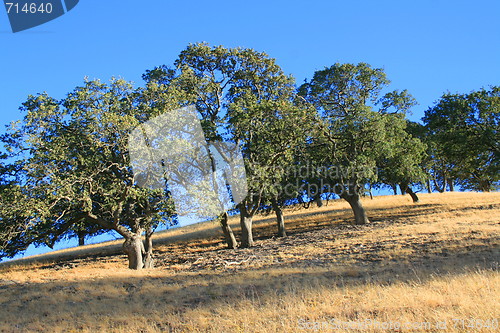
x: 354, y: 201
x: 228, y: 232
x: 148, y: 250
x: 429, y: 187
x: 134, y: 249
x: 81, y: 238
x: 402, y: 188
x: 280, y: 219
x: 406, y: 188
x: 246, y: 230
x: 413, y: 195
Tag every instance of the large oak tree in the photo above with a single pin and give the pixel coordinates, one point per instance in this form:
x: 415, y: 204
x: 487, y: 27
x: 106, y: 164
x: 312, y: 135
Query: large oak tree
x: 358, y: 126
x: 73, y: 167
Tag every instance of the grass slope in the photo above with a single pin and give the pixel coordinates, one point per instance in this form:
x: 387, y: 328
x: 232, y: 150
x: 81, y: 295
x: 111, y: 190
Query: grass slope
x: 431, y: 266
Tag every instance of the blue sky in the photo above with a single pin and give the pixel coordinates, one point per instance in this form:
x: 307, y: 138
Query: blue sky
x: 427, y: 47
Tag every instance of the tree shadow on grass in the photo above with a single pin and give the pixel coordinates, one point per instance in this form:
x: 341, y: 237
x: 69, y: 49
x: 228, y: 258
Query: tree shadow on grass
x: 44, y: 304
x: 264, y: 228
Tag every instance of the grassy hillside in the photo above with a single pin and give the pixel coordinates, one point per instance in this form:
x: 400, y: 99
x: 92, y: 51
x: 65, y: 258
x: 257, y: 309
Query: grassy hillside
x: 431, y: 266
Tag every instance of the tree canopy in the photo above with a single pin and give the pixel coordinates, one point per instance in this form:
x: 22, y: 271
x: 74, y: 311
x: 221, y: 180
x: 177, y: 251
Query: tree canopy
x: 463, y: 130
x: 74, y: 167
x: 358, y: 126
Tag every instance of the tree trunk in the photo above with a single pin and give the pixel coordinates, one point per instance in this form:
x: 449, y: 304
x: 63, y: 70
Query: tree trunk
x: 328, y: 197
x: 429, y: 187
x: 354, y: 201
x: 317, y: 199
x: 451, y: 185
x: 303, y: 203
x: 406, y: 188
x: 412, y: 194
x: 81, y: 238
x: 439, y: 188
x: 394, y: 189
x: 148, y: 250
x: 228, y: 232
x: 134, y: 249
x: 280, y: 219
x: 402, y: 188
x: 484, y: 185
x: 246, y: 229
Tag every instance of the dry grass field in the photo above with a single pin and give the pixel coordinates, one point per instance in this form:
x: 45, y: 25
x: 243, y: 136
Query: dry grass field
x: 426, y: 267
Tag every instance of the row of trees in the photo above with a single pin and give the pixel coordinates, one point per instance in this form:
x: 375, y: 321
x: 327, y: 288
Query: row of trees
x: 66, y: 169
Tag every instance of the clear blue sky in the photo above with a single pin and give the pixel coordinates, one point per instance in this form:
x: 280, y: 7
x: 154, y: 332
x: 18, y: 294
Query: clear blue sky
x: 427, y: 47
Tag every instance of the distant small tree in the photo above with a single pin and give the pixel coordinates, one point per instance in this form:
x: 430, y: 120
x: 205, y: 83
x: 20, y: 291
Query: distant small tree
x: 463, y: 130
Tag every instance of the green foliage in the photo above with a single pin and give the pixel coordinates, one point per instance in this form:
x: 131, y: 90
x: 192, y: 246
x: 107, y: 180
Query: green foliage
x: 463, y: 131
x: 65, y: 168
x: 74, y: 169
x: 405, y: 164
x: 242, y: 96
x: 359, y: 126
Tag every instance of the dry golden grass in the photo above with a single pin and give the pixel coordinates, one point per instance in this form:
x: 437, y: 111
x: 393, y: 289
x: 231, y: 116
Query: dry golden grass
x: 420, y: 265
